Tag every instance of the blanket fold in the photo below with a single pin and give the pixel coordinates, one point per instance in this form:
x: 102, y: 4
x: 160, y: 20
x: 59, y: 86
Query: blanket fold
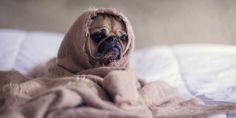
x: 76, y: 85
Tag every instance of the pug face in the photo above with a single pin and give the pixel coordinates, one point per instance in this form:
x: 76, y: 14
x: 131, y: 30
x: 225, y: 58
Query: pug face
x: 109, y: 38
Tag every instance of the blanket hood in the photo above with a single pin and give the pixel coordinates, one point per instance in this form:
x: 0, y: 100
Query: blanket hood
x: 75, y: 50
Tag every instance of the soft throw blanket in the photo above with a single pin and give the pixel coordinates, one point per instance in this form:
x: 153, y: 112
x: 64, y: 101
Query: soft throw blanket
x: 74, y: 85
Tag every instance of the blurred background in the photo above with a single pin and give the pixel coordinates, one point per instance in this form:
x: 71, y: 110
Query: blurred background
x: 156, y: 22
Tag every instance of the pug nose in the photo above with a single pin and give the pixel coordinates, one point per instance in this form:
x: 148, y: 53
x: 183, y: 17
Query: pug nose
x: 112, y: 39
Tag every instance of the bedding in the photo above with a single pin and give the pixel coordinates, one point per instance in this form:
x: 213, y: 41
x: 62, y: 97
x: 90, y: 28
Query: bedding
x: 196, y: 70
x: 203, y: 69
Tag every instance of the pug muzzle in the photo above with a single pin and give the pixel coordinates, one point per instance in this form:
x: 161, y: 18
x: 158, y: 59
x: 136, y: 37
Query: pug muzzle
x: 109, y: 45
x: 109, y: 49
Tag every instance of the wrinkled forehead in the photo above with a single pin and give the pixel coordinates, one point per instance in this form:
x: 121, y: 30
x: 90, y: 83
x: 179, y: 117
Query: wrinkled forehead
x: 107, y: 21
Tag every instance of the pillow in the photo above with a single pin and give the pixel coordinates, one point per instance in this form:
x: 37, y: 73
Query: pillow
x: 23, y: 50
x: 204, y: 70
x: 10, y: 45
x: 159, y: 63
x: 208, y: 70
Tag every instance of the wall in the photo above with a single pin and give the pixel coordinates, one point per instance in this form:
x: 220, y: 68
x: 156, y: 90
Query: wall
x: 156, y: 22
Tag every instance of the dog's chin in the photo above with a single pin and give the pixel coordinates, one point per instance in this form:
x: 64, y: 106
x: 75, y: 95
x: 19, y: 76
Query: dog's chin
x: 109, y: 55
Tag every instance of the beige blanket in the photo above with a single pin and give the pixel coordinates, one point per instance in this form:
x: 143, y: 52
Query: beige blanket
x: 74, y: 85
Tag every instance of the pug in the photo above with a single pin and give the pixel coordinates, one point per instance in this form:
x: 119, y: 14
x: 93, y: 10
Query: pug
x: 109, y: 37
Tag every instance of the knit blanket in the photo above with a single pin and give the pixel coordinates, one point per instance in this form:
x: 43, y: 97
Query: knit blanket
x: 75, y: 84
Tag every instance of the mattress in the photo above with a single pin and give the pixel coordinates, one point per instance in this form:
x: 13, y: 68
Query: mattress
x: 204, y: 70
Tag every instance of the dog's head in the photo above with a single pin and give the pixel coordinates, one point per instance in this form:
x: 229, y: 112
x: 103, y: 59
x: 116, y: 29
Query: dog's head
x: 109, y: 36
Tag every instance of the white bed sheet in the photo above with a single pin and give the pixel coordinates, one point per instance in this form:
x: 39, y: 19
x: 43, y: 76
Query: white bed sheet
x: 205, y: 70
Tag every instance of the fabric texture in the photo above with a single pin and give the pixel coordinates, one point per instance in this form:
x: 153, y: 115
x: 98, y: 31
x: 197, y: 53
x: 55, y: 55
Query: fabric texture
x: 73, y: 87
x: 167, y: 63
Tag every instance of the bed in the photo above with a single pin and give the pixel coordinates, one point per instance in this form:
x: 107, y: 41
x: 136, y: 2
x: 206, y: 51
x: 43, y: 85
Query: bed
x: 204, y: 70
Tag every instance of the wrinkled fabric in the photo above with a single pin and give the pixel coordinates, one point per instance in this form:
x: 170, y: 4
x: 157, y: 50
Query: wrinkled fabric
x: 74, y: 85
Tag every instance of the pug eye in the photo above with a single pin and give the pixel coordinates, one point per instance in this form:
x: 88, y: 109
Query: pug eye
x: 124, y: 37
x: 98, y: 36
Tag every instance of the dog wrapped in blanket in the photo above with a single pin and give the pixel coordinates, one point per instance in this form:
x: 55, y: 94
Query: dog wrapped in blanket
x: 92, y: 77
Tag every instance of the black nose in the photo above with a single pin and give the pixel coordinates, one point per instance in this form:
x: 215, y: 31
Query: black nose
x: 112, y: 39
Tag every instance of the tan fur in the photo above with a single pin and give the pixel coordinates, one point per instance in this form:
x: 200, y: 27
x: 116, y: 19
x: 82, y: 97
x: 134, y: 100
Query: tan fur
x: 113, y: 26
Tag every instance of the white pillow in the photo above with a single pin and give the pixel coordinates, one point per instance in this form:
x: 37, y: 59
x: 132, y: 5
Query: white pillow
x: 10, y: 43
x: 209, y: 70
x: 159, y: 63
x: 23, y: 50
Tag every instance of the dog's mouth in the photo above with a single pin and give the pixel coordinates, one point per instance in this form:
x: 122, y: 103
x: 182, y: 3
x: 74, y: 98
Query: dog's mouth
x: 109, y: 52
